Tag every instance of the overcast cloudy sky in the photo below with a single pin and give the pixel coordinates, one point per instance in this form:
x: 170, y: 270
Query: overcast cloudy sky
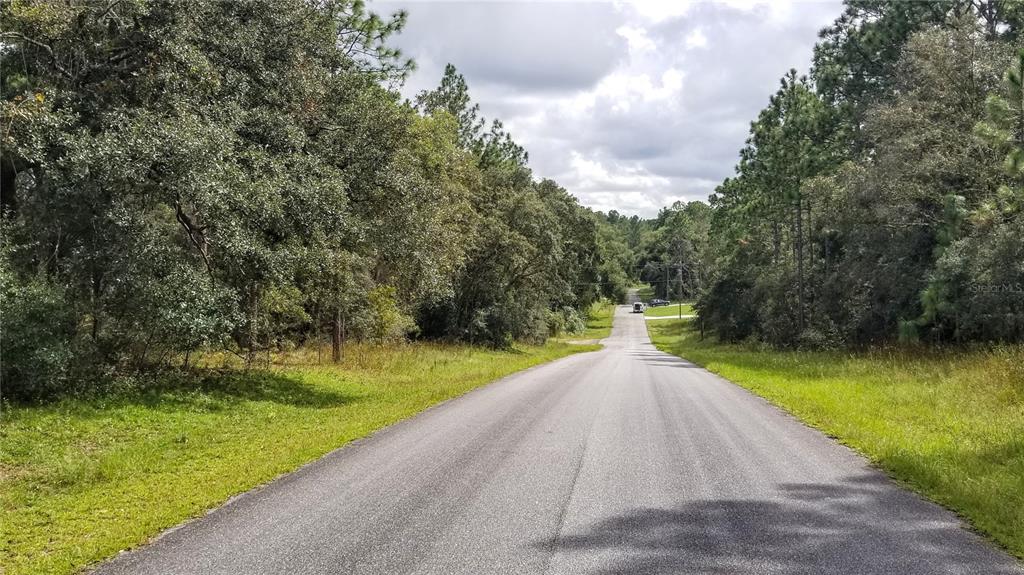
x: 628, y: 105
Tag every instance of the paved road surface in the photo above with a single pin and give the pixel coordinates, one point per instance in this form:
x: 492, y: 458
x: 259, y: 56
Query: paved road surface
x: 626, y: 460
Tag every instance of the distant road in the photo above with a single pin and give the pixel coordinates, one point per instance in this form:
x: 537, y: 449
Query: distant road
x: 626, y: 460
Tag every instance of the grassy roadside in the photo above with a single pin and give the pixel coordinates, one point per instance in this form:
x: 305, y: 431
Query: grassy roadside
x: 671, y: 310
x: 599, y: 321
x: 645, y: 292
x: 82, y: 479
x: 599, y: 325
x: 948, y: 424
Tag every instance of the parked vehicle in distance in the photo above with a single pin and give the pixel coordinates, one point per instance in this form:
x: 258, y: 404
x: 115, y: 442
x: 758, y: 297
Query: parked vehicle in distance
x: 658, y: 302
x: 639, y: 307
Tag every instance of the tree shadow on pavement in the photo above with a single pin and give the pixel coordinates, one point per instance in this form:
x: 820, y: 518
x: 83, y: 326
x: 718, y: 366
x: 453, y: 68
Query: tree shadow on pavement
x: 660, y: 358
x: 863, y: 525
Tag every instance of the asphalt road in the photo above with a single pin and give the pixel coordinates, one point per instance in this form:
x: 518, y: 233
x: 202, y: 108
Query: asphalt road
x: 626, y: 460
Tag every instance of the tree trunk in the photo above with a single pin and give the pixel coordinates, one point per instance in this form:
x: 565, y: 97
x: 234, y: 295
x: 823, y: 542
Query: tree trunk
x: 800, y: 260
x: 668, y: 270
x: 250, y: 354
x: 8, y: 179
x: 336, y: 337
x: 810, y: 236
x: 97, y: 290
x: 776, y: 240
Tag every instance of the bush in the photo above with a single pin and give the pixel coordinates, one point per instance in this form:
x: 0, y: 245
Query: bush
x: 983, y: 280
x: 37, y: 330
x: 728, y: 309
x: 386, y: 322
x: 565, y: 320
x: 819, y: 338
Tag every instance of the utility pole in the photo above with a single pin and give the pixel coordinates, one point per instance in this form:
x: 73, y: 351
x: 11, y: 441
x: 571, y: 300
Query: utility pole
x: 680, y: 281
x: 680, y: 285
x: 667, y: 271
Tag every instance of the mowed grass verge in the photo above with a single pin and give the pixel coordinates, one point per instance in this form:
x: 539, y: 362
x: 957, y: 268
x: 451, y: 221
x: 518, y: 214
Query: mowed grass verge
x: 599, y: 322
x: 81, y: 479
x: 949, y: 424
x: 671, y: 310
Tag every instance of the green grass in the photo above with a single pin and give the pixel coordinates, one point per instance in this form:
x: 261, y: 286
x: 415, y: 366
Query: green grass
x: 948, y: 424
x: 81, y: 479
x: 645, y: 292
x: 599, y: 326
x: 599, y: 321
x: 669, y: 310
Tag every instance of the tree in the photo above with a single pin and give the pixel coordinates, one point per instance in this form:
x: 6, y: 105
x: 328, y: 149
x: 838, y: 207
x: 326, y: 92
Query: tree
x: 891, y: 241
x: 452, y: 96
x: 765, y: 213
x: 492, y: 147
x: 532, y: 252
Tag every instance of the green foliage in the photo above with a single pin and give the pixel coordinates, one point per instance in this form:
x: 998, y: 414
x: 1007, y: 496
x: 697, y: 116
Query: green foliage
x: 531, y: 251
x: 36, y: 336
x: 386, y: 322
x: 493, y: 147
x: 975, y: 290
x: 452, y: 96
x: 855, y: 61
x: 1003, y: 129
x: 763, y: 216
x: 566, y: 321
x: 187, y: 176
x: 673, y: 253
x: 595, y: 324
x: 875, y: 204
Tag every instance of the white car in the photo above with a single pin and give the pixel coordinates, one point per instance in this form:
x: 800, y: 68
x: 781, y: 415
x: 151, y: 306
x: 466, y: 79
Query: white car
x: 639, y: 307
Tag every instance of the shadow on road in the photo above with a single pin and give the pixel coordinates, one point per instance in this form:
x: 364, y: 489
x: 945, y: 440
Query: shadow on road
x: 658, y: 358
x: 860, y: 526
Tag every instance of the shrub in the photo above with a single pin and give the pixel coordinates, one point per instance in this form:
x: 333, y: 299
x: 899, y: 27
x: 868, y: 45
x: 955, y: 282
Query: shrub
x: 37, y: 330
x: 386, y: 322
x: 565, y: 320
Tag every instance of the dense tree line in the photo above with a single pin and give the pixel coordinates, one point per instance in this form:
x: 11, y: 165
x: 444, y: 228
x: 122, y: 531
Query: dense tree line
x: 180, y: 176
x: 669, y: 252
x: 881, y: 197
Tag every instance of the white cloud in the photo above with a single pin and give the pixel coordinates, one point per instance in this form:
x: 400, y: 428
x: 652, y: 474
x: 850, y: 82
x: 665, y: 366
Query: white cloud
x: 657, y: 10
x: 595, y: 176
x: 637, y: 38
x: 696, y: 39
x: 628, y: 105
x: 671, y: 83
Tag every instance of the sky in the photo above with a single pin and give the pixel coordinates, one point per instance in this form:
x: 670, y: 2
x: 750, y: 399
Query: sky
x: 630, y: 106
